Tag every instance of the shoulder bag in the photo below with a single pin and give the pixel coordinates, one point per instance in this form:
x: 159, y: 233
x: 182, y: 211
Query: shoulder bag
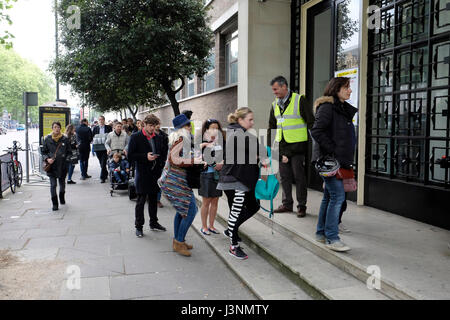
x: 48, y: 166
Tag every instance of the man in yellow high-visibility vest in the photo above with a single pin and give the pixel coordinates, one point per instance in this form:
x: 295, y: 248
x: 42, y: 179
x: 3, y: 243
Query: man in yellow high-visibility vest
x: 291, y: 115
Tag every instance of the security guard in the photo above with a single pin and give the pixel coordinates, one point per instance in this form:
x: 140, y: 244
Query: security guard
x: 291, y: 115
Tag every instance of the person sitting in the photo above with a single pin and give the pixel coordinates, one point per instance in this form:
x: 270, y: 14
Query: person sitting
x: 120, y: 168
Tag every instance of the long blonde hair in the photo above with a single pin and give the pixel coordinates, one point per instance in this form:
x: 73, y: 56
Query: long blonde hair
x: 177, y: 134
x: 240, y: 113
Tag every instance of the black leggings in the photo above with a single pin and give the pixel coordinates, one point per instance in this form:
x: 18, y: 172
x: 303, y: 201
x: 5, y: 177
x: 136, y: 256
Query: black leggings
x: 243, y: 205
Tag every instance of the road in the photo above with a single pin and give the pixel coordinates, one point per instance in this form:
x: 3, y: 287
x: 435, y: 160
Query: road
x: 7, y: 140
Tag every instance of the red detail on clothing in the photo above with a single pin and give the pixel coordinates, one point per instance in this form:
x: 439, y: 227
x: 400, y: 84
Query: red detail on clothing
x: 146, y: 134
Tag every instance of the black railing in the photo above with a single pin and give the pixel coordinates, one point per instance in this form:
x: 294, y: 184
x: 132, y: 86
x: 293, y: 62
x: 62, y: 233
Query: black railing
x: 4, y: 181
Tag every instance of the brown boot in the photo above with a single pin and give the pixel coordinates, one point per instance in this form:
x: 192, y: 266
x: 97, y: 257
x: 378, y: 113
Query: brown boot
x: 282, y: 209
x: 301, y: 212
x: 181, y: 248
x: 188, y: 246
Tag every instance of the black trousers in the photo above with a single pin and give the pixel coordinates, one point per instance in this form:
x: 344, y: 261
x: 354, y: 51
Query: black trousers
x: 292, y: 171
x: 152, y: 209
x: 102, y: 159
x: 54, y: 183
x: 243, y: 205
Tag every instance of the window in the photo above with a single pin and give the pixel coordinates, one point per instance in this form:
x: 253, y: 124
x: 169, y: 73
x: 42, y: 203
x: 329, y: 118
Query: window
x: 190, y: 86
x: 231, y: 58
x: 210, y: 77
x: 408, y: 93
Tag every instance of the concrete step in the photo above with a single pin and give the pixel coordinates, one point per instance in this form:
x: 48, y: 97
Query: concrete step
x: 265, y: 281
x: 314, y: 275
x: 340, y: 260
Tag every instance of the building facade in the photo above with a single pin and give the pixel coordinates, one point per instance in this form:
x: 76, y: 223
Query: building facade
x: 396, y: 53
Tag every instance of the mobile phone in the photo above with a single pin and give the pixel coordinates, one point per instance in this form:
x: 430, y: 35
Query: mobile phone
x: 155, y: 154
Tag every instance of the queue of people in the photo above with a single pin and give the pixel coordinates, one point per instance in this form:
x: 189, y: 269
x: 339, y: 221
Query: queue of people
x: 171, y: 165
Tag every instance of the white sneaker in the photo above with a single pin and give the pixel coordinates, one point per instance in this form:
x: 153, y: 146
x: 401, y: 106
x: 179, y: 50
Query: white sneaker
x: 337, y: 246
x: 343, y: 229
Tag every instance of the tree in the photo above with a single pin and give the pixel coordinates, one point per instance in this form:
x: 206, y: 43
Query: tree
x: 17, y: 76
x: 133, y: 50
x: 4, y: 39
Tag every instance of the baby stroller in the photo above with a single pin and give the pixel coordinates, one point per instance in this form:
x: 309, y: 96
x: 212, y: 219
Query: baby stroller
x: 117, y: 185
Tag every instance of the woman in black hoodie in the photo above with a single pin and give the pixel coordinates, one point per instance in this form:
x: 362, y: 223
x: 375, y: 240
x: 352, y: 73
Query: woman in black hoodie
x: 334, y: 135
x: 239, y: 175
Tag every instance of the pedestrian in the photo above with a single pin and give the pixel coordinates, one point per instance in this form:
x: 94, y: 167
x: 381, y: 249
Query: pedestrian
x: 291, y: 116
x: 131, y: 125
x: 144, y: 151
x: 174, y: 183
x: 188, y: 114
x: 72, y: 137
x: 238, y: 178
x: 56, y: 151
x: 84, y: 137
x: 213, y: 142
x: 100, y: 132
x: 139, y: 124
x: 124, y: 122
x: 334, y: 137
x: 117, y: 140
x: 164, y: 151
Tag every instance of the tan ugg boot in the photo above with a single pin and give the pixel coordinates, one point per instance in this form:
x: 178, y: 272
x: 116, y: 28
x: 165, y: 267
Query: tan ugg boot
x: 188, y: 246
x: 173, y: 244
x: 181, y: 248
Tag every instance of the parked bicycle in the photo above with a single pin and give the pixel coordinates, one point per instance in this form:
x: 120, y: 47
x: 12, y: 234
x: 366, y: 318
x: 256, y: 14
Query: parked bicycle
x: 14, y: 167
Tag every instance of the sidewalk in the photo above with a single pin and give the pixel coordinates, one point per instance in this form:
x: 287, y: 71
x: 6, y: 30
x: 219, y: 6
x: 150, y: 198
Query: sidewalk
x: 413, y: 257
x: 95, y: 232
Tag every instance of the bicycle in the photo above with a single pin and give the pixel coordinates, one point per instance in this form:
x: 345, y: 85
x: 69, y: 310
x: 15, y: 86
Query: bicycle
x: 14, y: 167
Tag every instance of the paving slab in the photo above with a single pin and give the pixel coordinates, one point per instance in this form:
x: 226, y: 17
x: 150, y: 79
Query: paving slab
x: 90, y: 289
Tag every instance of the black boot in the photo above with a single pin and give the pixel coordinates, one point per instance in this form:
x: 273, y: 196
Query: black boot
x: 55, y: 203
x: 61, y: 198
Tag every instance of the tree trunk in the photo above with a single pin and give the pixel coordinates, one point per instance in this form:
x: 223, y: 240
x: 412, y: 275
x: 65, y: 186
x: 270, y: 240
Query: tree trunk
x: 133, y: 111
x: 167, y: 86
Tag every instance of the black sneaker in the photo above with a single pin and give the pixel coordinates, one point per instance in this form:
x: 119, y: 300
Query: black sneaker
x: 71, y: 182
x: 226, y: 233
x: 237, y: 253
x: 139, y: 233
x: 88, y: 176
x: 157, y: 226
x: 102, y: 180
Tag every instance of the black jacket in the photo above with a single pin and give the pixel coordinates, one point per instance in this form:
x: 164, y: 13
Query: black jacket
x: 247, y: 172
x: 84, y: 137
x: 291, y: 149
x: 59, y: 166
x: 332, y: 131
x: 147, y: 172
x: 96, y: 129
x: 164, y: 148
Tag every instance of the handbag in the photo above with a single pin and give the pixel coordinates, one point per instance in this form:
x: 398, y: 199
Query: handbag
x: 348, y: 178
x: 98, y: 143
x: 48, y: 166
x: 267, y: 190
x: 193, y: 175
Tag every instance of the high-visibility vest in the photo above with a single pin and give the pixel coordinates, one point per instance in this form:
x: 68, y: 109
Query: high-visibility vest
x: 192, y: 128
x: 290, y: 124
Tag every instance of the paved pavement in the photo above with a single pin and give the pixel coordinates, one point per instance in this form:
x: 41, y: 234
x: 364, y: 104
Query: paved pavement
x: 95, y: 232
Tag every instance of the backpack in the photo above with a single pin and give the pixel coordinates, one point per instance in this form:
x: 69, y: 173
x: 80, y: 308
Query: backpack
x: 267, y: 190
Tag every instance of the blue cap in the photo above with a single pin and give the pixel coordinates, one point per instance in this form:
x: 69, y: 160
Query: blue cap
x: 180, y: 121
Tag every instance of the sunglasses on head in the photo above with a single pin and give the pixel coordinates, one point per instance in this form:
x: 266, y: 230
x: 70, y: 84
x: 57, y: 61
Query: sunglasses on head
x: 210, y: 121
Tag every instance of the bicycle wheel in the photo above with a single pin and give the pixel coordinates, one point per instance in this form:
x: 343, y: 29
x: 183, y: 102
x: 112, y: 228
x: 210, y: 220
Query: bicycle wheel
x: 19, y: 174
x: 11, y: 177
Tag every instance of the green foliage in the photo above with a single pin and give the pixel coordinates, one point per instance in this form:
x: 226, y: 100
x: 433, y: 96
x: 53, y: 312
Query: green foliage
x: 7, y: 36
x: 17, y: 76
x: 128, y: 52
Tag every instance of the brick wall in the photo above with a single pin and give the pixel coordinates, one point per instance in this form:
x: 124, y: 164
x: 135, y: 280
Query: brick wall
x: 217, y: 105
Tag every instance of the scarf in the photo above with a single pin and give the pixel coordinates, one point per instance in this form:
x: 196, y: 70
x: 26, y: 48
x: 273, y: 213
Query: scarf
x: 57, y: 137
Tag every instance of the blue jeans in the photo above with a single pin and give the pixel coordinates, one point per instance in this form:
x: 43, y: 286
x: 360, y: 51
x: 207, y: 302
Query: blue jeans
x: 181, y: 225
x: 120, y: 176
x: 333, y: 198
x: 84, y: 167
x: 71, y: 167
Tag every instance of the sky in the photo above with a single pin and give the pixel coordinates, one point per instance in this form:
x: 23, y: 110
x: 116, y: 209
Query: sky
x: 34, y: 30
